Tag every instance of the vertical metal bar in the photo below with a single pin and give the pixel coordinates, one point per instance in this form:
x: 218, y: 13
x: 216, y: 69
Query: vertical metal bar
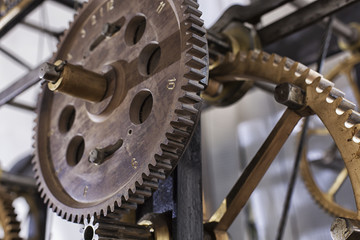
x: 320, y: 63
x: 189, y: 192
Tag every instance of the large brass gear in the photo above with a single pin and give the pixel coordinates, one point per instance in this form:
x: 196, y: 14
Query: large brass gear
x: 326, y: 199
x: 154, y: 57
x: 9, y: 224
x: 321, y: 98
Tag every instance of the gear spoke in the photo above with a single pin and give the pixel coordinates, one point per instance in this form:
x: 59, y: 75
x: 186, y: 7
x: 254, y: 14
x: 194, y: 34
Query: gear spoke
x: 341, y: 177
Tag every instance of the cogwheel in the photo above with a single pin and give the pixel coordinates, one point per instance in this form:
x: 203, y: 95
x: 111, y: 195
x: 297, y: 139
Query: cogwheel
x: 111, y: 228
x: 8, y: 220
x: 154, y: 58
x: 322, y: 98
x: 326, y: 200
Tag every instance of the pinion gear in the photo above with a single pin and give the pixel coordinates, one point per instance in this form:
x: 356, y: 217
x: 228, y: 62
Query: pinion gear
x: 8, y: 220
x: 154, y: 61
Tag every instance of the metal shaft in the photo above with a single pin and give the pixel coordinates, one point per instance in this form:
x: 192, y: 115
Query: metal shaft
x: 74, y: 80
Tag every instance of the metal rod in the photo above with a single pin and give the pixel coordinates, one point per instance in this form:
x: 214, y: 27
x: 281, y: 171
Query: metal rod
x: 251, y: 13
x: 320, y: 63
x: 15, y: 58
x: 340, y: 29
x: 19, y: 86
x: 70, y: 3
x: 250, y: 178
x: 300, y: 19
x: 22, y: 10
x: 22, y: 106
x: 43, y: 30
x: 16, y: 180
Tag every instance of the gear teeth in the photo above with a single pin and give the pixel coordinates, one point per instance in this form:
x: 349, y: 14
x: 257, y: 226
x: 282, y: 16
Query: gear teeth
x: 157, y: 173
x: 191, y: 3
x: 190, y: 98
x: 150, y: 183
x: 164, y: 164
x: 193, y: 10
x: 197, y: 63
x: 195, y: 57
x: 144, y: 191
x: 136, y: 199
x: 197, y: 51
x: 196, y: 39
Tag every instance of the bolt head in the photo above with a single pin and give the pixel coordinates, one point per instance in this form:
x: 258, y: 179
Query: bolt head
x: 48, y: 72
x: 290, y: 95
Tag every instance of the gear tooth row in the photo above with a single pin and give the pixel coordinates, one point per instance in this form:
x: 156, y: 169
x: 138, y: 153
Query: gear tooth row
x: 196, y: 29
x: 197, y: 51
x: 191, y: 3
x: 193, y: 10
x: 196, y: 63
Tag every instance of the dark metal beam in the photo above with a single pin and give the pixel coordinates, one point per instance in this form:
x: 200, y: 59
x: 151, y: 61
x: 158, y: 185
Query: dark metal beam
x: 70, y: 3
x: 15, y: 58
x: 189, y: 223
x: 19, y: 86
x: 23, y: 8
x: 251, y: 13
x: 43, y: 30
x: 301, y: 19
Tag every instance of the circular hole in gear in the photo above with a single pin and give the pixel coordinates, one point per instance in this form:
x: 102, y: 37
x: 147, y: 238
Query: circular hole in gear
x: 149, y: 59
x: 66, y: 119
x: 75, y: 150
x: 89, y: 233
x: 135, y: 30
x: 141, y: 107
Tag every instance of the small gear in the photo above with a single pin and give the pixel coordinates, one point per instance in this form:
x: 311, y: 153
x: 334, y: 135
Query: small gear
x: 8, y: 220
x: 153, y: 55
x: 113, y: 228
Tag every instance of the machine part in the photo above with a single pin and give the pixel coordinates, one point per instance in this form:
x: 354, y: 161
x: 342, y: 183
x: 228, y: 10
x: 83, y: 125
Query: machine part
x: 290, y: 95
x: 300, y: 19
x: 111, y: 228
x: 154, y: 65
x: 74, y: 80
x: 289, y: 193
x: 15, y: 12
x: 241, y: 38
x: 19, y: 86
x: 326, y: 199
x: 8, y: 220
x: 322, y: 98
x: 354, y: 45
x: 345, y: 229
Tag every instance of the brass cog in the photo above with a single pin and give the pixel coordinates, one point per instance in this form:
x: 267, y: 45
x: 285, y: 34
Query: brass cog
x: 327, y: 199
x: 322, y: 99
x: 154, y: 57
x: 9, y: 224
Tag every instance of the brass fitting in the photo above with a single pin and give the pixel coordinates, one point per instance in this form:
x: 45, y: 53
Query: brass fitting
x: 74, y: 81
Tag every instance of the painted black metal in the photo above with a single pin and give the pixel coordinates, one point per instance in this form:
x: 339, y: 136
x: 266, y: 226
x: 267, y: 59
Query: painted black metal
x: 189, y: 224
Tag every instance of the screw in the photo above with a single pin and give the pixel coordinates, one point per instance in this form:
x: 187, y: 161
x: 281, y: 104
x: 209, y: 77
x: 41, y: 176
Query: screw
x: 290, y: 95
x: 96, y: 156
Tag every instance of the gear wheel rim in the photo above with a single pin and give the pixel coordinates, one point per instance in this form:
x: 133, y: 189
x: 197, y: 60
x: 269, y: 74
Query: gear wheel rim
x: 322, y: 97
x: 177, y: 134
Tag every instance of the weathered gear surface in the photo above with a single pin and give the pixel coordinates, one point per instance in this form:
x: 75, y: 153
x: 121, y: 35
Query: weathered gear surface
x: 8, y: 220
x: 149, y: 148
x: 326, y: 199
x: 322, y: 98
